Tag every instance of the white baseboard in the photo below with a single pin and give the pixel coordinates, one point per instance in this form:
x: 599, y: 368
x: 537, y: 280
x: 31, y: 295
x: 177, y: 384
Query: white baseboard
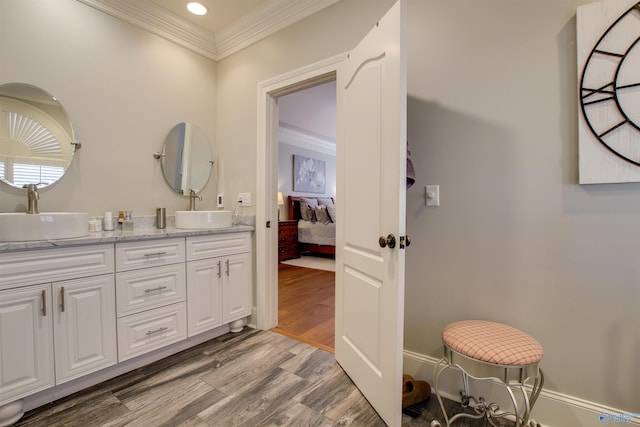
x: 552, y: 409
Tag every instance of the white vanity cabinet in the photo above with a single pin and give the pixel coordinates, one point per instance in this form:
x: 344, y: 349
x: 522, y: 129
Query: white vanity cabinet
x: 83, y: 326
x: 218, y: 280
x: 26, y: 342
x: 56, y: 317
x: 151, y: 294
x: 106, y: 308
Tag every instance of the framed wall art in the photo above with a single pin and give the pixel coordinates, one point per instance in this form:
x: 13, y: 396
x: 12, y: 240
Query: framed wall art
x: 609, y: 91
x: 309, y: 175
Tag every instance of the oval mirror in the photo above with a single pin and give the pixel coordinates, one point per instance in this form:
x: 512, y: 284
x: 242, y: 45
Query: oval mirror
x: 37, y: 142
x: 186, y: 158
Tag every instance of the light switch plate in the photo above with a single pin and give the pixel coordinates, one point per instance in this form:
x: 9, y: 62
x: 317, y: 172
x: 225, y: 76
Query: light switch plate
x: 432, y: 195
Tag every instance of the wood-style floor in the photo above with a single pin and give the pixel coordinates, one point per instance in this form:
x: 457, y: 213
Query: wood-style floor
x: 253, y: 378
x: 249, y: 379
x: 306, y: 305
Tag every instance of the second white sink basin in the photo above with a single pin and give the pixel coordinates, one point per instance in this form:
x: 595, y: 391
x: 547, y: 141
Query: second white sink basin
x: 20, y: 227
x: 203, y: 219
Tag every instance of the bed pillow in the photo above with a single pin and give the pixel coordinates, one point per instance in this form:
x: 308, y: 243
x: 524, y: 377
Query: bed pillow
x: 326, y: 201
x: 331, y: 211
x: 307, y: 209
x: 322, y: 215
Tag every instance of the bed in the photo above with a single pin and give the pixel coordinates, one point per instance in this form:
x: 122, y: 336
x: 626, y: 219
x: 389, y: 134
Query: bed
x: 317, y: 232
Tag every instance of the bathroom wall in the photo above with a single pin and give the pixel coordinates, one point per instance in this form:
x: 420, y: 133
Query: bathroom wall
x: 492, y: 117
x: 493, y: 110
x: 332, y: 31
x: 123, y: 88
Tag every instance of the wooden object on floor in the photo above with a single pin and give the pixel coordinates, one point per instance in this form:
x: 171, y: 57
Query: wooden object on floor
x: 288, y: 240
x: 306, y: 305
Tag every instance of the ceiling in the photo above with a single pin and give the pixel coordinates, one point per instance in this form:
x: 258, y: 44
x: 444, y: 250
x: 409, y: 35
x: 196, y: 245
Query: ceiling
x: 220, y: 13
x: 229, y: 25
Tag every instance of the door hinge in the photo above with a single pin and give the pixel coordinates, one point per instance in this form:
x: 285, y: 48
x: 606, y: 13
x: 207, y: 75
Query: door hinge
x: 268, y: 224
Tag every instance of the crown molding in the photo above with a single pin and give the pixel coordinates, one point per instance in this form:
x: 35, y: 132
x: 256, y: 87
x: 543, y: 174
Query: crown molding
x: 270, y: 17
x: 300, y: 138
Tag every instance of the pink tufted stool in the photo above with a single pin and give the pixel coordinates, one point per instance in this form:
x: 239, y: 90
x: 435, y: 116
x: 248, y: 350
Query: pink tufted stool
x: 484, y: 350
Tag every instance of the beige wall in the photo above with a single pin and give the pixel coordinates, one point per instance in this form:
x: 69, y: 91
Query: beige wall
x: 329, y: 32
x: 492, y: 120
x: 123, y: 88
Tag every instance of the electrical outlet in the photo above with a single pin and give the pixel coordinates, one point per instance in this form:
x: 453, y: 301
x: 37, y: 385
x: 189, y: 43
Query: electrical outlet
x: 244, y: 199
x: 221, y: 200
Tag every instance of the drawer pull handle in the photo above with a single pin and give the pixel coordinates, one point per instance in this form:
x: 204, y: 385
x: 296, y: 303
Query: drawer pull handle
x: 159, y: 288
x: 227, y: 267
x: 44, y: 303
x: 155, y: 253
x: 164, y: 328
x: 62, y: 299
x: 219, y: 268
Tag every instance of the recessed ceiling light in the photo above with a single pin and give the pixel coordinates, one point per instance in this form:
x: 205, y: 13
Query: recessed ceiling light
x: 196, y: 8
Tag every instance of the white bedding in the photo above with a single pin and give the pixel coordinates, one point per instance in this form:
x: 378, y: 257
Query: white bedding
x: 317, y: 233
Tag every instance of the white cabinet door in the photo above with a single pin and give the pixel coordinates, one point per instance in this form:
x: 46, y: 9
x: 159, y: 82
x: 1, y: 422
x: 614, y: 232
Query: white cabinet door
x: 84, y: 326
x: 204, y: 295
x: 26, y: 342
x: 236, y: 287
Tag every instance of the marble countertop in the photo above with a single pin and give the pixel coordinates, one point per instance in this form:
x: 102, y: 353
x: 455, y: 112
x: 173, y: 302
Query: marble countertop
x: 119, y: 236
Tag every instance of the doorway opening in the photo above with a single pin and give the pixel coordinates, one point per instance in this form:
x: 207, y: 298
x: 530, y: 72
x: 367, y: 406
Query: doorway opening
x: 268, y: 152
x: 306, y: 214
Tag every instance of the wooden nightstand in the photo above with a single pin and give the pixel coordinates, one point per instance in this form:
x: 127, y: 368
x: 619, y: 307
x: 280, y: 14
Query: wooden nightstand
x: 288, y: 240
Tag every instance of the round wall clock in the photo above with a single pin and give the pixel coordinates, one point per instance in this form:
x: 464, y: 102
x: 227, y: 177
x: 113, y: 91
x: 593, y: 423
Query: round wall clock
x: 610, y: 87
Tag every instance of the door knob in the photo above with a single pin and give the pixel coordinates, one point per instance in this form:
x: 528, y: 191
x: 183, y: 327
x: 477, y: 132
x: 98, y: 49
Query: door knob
x: 390, y: 241
x: 408, y: 238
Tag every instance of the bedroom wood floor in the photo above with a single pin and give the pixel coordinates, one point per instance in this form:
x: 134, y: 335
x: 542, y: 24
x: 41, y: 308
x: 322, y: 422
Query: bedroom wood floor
x: 253, y: 378
x: 306, y: 305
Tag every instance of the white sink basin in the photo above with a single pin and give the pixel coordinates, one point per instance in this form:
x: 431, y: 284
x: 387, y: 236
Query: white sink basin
x: 19, y: 227
x: 203, y: 219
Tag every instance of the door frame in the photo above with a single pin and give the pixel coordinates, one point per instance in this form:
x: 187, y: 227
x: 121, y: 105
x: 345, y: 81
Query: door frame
x: 266, y: 309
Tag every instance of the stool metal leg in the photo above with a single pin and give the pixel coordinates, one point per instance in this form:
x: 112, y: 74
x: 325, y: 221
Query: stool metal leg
x: 480, y: 406
x: 438, y: 369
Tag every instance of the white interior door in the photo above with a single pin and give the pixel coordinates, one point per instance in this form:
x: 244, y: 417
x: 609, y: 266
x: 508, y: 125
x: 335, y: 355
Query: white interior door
x: 371, y: 187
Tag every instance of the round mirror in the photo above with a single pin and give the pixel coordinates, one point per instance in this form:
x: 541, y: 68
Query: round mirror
x: 186, y: 158
x: 36, y: 136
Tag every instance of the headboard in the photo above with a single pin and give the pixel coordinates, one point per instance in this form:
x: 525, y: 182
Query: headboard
x: 294, y: 205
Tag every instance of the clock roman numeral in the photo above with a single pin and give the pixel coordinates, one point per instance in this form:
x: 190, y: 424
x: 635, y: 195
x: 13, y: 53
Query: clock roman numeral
x: 609, y: 53
x: 613, y: 128
x: 600, y: 90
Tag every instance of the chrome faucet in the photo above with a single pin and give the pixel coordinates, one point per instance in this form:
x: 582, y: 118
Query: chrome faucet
x: 32, y: 196
x: 192, y: 199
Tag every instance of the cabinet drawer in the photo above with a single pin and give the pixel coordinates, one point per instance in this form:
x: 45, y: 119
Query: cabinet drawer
x: 132, y: 255
x: 148, y: 288
x: 151, y: 329
x: 200, y: 247
x: 49, y: 265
